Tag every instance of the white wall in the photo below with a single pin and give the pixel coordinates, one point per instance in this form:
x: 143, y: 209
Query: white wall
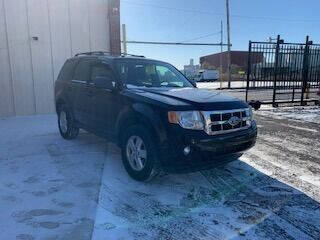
x: 6, y: 89
x: 28, y: 68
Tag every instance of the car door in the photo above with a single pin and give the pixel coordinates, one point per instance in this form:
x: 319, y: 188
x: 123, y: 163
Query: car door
x: 105, y: 101
x: 82, y: 92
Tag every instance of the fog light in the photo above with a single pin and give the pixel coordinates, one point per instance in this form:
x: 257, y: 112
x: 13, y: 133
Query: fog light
x: 186, y: 150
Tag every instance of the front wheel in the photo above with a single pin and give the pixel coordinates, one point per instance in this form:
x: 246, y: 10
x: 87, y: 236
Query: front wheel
x: 66, y: 123
x: 139, y: 154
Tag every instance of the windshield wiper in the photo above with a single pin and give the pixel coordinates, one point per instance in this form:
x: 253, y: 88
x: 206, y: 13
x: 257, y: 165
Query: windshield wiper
x: 171, y: 85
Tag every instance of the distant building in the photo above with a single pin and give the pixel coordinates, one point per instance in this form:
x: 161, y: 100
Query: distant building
x: 239, y: 60
x: 191, y: 70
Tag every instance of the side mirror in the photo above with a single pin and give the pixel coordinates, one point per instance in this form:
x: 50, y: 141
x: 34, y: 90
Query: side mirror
x: 104, y: 83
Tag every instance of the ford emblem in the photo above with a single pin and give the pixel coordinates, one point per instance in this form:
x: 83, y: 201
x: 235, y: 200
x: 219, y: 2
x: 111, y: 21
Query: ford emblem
x: 233, y: 121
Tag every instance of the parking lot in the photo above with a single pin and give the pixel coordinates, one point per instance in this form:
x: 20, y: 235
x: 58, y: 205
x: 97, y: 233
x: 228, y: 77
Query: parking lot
x: 51, y: 188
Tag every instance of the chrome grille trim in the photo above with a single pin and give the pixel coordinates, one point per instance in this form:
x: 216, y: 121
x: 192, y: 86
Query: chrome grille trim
x: 208, y: 123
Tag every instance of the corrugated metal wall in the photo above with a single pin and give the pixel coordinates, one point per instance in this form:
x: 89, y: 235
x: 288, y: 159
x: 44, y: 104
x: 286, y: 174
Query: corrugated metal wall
x: 36, y: 37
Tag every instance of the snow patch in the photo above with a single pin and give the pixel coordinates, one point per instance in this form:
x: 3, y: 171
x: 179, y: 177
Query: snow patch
x: 315, y: 180
x: 308, y: 114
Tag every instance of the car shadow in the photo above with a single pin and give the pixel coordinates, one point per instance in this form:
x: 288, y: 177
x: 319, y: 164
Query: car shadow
x: 236, y: 201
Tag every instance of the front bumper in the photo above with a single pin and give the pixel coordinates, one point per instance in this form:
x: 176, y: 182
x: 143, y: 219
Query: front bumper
x: 206, y: 151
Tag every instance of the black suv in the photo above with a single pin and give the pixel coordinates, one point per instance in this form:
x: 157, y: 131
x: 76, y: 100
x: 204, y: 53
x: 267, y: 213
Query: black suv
x: 153, y: 112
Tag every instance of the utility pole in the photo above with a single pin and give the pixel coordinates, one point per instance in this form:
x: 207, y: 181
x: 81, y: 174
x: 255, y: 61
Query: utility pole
x: 229, y: 45
x: 124, y: 39
x: 221, y: 50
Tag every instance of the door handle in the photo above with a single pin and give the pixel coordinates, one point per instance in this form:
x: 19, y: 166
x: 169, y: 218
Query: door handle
x: 89, y: 92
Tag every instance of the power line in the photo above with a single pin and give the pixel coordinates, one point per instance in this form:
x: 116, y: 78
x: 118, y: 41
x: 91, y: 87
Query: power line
x: 220, y: 14
x: 177, y: 43
x: 169, y: 8
x: 275, y: 18
x: 205, y: 36
x: 184, y: 24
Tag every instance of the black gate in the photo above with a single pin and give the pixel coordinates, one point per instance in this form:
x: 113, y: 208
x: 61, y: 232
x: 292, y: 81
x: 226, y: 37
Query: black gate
x: 283, y: 72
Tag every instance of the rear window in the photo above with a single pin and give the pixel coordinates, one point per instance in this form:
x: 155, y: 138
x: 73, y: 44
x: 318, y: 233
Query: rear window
x: 67, y: 70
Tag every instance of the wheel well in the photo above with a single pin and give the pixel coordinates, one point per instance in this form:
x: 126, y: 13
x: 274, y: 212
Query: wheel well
x: 135, y: 120
x: 59, y: 103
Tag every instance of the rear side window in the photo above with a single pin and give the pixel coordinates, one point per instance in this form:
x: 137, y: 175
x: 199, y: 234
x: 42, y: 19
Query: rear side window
x: 67, y: 70
x: 82, y: 71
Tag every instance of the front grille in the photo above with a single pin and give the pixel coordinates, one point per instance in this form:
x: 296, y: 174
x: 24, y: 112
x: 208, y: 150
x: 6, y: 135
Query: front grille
x: 219, y: 122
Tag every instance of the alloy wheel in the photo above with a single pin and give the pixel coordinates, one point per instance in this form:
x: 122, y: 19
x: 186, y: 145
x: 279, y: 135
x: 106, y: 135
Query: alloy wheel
x: 63, y: 122
x: 136, y: 153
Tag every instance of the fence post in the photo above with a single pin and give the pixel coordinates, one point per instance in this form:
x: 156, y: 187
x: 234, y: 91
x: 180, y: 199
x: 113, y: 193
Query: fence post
x: 276, y: 71
x: 248, y: 71
x: 305, y: 70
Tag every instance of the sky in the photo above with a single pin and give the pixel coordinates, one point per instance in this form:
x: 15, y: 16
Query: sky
x: 185, y: 20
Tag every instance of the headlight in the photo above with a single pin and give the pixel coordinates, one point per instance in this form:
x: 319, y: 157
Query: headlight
x: 249, y: 114
x: 187, y: 119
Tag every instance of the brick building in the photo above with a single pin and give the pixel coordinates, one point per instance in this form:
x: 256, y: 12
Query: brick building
x: 239, y: 60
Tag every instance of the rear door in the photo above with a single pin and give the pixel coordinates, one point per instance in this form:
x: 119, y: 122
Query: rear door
x: 82, y: 91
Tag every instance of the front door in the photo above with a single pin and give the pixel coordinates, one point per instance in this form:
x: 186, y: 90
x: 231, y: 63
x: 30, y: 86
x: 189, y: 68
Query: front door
x: 105, y: 101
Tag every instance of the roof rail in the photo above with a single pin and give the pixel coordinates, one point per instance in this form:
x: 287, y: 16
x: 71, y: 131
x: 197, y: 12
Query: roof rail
x: 107, y: 53
x: 133, y: 55
x: 93, y: 53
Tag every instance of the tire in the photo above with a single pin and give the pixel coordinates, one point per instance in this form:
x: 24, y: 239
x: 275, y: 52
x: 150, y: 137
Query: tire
x: 66, y: 123
x: 149, y: 162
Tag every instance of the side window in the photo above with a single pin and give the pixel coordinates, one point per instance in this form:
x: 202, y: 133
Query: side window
x: 161, y: 73
x: 168, y: 77
x: 67, y: 70
x: 82, y: 71
x: 123, y: 70
x: 101, y: 70
x: 145, y: 74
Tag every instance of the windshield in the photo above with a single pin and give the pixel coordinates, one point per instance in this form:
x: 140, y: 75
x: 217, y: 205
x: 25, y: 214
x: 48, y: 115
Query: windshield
x: 146, y: 73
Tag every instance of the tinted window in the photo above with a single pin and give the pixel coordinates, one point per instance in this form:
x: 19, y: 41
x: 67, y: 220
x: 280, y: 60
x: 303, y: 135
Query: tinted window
x: 67, y: 70
x: 101, y: 70
x: 82, y: 71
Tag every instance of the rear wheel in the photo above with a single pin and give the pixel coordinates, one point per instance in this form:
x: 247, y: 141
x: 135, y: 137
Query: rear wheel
x: 139, y: 154
x: 66, y: 123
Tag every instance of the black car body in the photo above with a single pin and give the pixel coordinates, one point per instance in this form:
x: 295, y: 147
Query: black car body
x: 190, y: 128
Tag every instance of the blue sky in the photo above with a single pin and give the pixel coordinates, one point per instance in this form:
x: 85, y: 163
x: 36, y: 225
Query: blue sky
x: 182, y: 20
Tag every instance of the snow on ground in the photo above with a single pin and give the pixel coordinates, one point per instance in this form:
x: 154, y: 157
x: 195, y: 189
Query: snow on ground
x: 236, y: 202
x: 51, y: 188
x: 300, y: 113
x: 271, y: 193
x: 224, y: 84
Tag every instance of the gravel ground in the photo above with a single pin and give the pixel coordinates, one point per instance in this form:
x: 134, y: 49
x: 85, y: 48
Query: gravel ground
x: 56, y: 189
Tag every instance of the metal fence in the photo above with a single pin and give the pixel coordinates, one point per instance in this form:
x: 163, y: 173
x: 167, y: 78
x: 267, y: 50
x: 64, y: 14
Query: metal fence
x: 283, y: 72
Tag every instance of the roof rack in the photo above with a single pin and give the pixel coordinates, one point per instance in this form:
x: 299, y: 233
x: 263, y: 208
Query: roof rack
x: 93, y: 53
x: 132, y: 55
x: 108, y: 53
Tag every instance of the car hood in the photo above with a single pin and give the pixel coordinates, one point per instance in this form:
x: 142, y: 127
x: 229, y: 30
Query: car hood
x: 192, y: 98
